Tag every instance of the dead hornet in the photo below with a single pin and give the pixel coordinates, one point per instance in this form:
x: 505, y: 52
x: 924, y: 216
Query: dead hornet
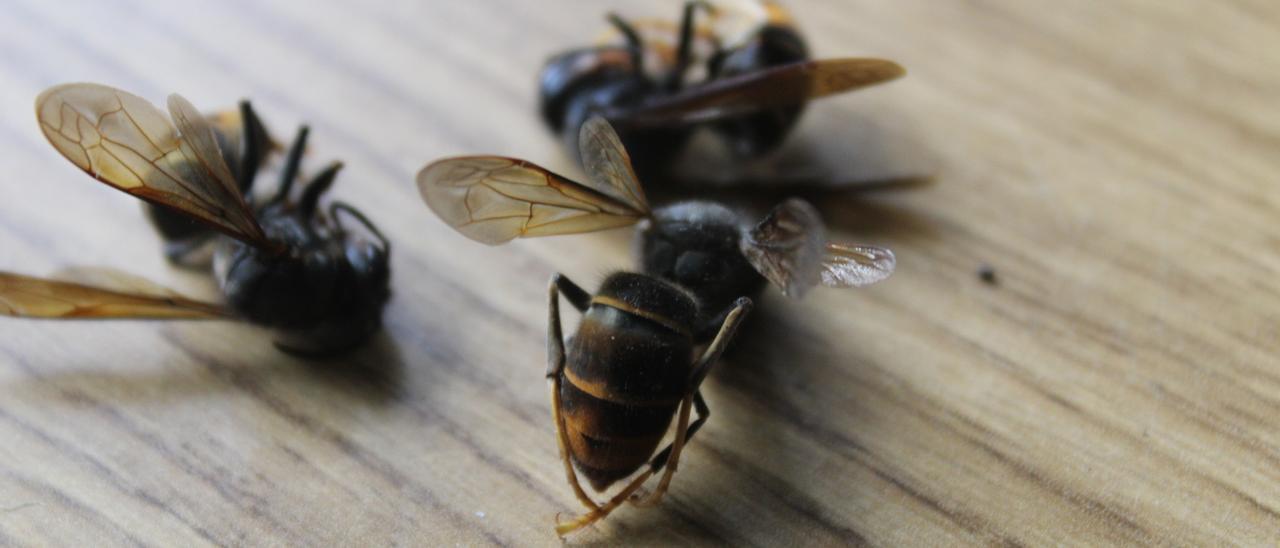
x: 756, y: 82
x: 631, y: 365
x: 285, y: 265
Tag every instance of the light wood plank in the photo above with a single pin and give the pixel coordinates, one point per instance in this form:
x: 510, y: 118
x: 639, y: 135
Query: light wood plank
x: 1113, y: 161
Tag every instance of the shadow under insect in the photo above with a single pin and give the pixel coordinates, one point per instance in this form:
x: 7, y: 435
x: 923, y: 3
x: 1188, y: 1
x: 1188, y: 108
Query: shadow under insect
x: 372, y: 375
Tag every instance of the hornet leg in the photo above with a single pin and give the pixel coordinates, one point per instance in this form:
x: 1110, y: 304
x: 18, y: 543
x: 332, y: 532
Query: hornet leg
x: 555, y: 366
x: 703, y: 366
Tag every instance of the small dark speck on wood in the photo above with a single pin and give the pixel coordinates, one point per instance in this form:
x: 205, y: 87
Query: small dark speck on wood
x: 987, y: 274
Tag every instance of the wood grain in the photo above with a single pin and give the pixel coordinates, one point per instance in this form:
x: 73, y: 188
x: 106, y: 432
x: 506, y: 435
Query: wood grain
x: 1114, y: 162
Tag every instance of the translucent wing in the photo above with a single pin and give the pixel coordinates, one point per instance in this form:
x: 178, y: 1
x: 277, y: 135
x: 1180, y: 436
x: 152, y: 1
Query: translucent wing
x: 492, y: 199
x: 245, y: 142
x: 775, y: 87
x: 124, y: 141
x: 787, y: 247
x: 856, y: 265
x: 197, y: 135
x: 29, y: 297
x: 608, y: 165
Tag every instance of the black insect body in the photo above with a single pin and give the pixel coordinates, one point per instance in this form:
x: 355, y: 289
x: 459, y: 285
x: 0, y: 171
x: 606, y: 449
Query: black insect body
x: 632, y: 345
x: 327, y: 292
x: 626, y: 372
x: 697, y: 246
x: 285, y: 265
x: 754, y: 92
x: 579, y: 84
x: 775, y: 43
x: 326, y: 299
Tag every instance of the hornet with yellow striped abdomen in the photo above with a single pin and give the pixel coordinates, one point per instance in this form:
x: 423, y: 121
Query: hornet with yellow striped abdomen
x: 646, y: 341
x: 626, y: 372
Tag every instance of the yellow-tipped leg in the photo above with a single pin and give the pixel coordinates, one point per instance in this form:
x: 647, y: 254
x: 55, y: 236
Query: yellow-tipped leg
x: 598, y: 514
x: 555, y: 365
x: 562, y: 437
x: 673, y: 462
x: 673, y: 451
x: 685, y: 430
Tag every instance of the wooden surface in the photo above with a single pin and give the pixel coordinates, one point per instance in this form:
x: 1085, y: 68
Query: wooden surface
x: 1115, y: 162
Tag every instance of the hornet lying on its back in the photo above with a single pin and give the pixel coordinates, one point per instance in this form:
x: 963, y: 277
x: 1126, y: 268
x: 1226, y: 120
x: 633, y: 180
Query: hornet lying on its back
x: 286, y: 265
x: 757, y: 81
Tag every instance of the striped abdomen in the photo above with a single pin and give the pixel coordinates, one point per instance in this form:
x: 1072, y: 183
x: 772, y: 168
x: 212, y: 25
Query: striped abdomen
x: 625, y: 375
